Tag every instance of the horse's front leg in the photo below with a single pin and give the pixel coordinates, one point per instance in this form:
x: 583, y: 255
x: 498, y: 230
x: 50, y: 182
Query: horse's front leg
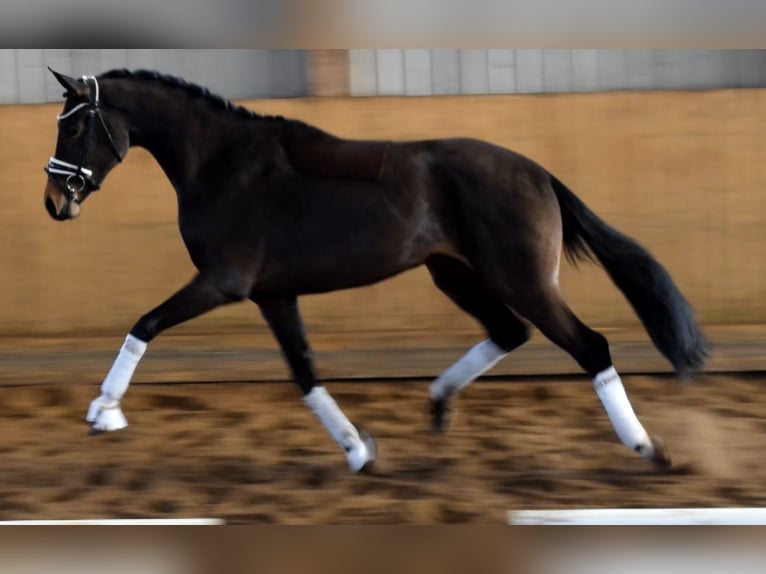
x: 285, y: 322
x: 196, y: 298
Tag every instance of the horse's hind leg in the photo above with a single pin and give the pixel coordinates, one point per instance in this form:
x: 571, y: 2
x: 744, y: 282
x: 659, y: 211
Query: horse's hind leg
x: 504, y: 329
x: 285, y: 322
x: 547, y: 310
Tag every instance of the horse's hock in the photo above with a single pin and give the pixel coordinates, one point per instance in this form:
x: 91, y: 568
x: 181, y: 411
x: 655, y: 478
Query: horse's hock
x: 680, y: 172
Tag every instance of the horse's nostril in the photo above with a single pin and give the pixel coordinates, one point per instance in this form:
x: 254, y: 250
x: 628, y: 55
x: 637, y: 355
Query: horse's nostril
x: 50, y: 206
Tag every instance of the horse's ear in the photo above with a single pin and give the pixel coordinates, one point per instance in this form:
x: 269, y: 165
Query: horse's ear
x: 70, y: 84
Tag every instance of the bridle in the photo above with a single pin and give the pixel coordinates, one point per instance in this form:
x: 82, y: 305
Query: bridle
x: 78, y: 177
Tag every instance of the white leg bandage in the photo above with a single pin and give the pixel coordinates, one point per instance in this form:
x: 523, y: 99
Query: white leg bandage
x: 104, y: 413
x: 116, y: 382
x: 470, y: 366
x: 340, y: 428
x: 612, y: 393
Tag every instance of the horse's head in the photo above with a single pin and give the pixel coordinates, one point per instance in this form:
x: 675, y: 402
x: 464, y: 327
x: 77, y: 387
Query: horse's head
x: 91, y: 141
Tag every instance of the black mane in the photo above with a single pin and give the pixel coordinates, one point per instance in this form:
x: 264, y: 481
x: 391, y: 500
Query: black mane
x: 214, y: 100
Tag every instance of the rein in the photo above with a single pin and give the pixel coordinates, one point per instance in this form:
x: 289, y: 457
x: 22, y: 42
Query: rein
x: 78, y: 177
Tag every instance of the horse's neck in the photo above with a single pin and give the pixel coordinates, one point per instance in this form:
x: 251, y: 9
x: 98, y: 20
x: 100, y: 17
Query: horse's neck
x: 170, y: 131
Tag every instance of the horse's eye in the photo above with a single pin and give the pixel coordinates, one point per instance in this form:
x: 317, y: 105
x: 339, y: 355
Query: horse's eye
x: 71, y: 130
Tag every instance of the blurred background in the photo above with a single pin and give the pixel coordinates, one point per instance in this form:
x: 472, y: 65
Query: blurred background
x: 257, y: 73
x: 666, y: 145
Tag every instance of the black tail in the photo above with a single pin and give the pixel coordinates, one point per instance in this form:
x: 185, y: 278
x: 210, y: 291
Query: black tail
x: 665, y: 313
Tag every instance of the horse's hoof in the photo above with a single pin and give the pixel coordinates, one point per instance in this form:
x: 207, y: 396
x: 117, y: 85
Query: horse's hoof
x: 105, y: 417
x: 362, y: 459
x: 661, y: 455
x: 96, y: 431
x: 439, y: 410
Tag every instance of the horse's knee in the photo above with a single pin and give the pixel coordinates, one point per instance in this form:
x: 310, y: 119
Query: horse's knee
x: 146, y: 328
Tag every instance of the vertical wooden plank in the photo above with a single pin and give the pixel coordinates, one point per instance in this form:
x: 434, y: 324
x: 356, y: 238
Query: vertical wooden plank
x: 287, y: 77
x: 86, y: 62
x: 328, y: 72
x: 243, y: 73
x: 213, y: 68
x: 474, y: 72
x: 248, y: 73
x: 557, y: 70
x: 729, y: 73
x: 140, y: 59
x: 585, y: 70
x: 640, y: 69
x: 363, y: 76
x: 31, y: 79
x: 191, y: 66
x: 529, y: 71
x: 210, y: 64
x: 701, y: 69
x: 417, y: 72
x: 169, y: 61
x: 298, y: 64
x: 751, y: 65
x: 502, y: 71
x: 669, y: 65
x: 611, y: 69
x: 445, y: 70
x: 9, y: 83
x: 390, y: 72
x: 113, y: 59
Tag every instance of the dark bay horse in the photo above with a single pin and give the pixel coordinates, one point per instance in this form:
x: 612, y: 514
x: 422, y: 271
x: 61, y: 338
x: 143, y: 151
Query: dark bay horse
x: 271, y: 209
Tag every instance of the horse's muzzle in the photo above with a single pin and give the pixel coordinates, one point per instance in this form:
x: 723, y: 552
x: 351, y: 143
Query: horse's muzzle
x: 58, y: 205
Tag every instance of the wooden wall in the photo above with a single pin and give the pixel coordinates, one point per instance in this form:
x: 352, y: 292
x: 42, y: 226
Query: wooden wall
x: 682, y: 172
